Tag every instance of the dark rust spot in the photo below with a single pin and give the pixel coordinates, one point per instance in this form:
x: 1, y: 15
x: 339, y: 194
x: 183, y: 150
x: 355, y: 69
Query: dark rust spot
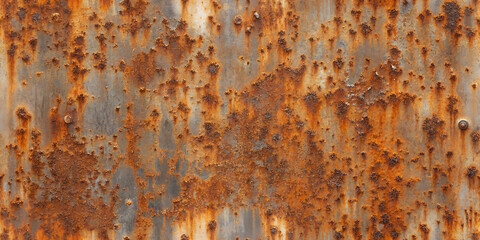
x: 213, y: 68
x: 471, y: 172
x: 475, y: 135
x: 212, y: 225
x: 365, y: 28
x: 336, y: 179
x: 338, y: 63
x: 342, y: 108
x: 432, y: 126
x: 23, y: 114
x: 452, y: 11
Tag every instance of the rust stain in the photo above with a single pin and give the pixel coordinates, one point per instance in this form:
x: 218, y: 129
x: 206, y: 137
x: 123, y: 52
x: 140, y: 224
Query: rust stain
x: 22, y: 131
x: 193, y: 119
x: 105, y: 4
x: 59, y: 196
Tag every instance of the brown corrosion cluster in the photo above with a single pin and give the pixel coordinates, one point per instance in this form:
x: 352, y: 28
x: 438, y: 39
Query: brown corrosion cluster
x: 245, y: 119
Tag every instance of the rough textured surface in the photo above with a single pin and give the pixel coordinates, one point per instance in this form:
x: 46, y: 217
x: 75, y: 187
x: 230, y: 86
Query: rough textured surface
x: 255, y: 119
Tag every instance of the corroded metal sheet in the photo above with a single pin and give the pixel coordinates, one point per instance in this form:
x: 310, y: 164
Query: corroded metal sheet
x: 239, y: 119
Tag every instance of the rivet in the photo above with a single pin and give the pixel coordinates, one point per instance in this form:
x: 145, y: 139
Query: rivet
x: 463, y: 124
x: 67, y: 119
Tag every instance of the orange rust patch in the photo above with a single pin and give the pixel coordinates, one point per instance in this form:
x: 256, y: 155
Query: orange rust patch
x: 142, y: 69
x: 61, y: 197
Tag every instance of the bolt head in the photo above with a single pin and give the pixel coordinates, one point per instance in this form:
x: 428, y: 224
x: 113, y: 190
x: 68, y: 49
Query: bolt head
x: 67, y: 119
x: 463, y: 124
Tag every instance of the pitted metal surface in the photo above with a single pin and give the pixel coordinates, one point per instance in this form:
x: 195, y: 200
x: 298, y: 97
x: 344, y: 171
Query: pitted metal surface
x: 255, y: 119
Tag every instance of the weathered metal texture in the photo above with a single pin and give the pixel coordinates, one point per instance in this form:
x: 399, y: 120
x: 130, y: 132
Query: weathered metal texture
x: 256, y: 119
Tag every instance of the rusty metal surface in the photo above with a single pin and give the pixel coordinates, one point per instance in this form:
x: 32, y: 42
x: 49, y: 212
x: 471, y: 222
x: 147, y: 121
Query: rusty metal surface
x: 255, y: 119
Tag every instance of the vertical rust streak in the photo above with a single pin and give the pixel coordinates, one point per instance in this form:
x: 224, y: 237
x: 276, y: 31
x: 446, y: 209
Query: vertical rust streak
x: 11, y: 73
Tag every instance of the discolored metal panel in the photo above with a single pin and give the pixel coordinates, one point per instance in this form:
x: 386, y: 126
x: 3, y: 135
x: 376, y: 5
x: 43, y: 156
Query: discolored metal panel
x: 239, y: 119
